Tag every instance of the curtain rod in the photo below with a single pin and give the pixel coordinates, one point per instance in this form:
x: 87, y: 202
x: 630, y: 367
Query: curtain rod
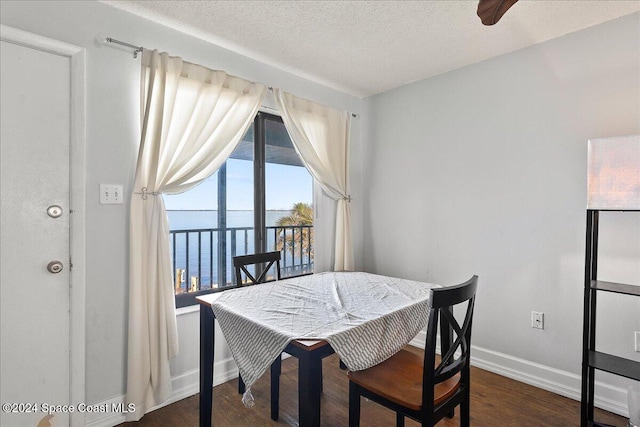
x: 139, y: 49
x: 352, y: 114
x: 136, y: 51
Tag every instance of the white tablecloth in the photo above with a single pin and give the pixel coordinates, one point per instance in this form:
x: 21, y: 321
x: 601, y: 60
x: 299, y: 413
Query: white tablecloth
x: 365, y: 317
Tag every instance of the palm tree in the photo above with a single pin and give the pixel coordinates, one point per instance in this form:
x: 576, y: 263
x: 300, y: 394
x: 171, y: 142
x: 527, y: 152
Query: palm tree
x: 300, y: 240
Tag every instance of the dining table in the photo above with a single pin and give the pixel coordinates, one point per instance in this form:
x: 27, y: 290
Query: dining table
x: 365, y: 318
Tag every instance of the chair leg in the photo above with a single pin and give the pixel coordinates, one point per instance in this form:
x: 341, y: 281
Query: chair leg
x: 321, y: 382
x: 354, y: 405
x: 465, y: 410
x: 241, y: 387
x: 276, y: 369
x: 399, y: 420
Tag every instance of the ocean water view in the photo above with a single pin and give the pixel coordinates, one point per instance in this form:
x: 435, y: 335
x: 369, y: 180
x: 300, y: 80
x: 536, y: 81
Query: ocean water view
x: 195, y: 219
x: 195, y: 254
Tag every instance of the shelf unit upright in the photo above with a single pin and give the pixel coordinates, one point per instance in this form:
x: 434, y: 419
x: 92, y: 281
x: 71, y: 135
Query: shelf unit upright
x: 592, y: 359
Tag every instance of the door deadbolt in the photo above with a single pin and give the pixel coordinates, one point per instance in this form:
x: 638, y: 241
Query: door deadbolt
x: 55, y: 267
x: 54, y: 211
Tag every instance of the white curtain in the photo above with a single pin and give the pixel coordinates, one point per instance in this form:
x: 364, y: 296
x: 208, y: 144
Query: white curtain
x: 320, y: 135
x: 192, y: 119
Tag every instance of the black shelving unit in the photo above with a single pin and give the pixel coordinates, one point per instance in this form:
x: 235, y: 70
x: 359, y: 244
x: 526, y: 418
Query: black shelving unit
x: 592, y: 359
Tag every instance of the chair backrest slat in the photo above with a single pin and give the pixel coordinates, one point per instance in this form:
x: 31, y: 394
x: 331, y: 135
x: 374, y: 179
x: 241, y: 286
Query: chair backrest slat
x: 265, y: 260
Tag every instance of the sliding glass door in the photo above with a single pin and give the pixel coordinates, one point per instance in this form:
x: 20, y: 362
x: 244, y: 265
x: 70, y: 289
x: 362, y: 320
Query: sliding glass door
x: 259, y: 200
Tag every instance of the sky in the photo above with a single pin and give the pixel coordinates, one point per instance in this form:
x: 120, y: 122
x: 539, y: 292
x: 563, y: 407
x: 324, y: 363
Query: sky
x: 285, y: 185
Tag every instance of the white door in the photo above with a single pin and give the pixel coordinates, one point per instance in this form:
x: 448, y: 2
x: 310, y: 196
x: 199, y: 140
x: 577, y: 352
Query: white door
x: 34, y: 300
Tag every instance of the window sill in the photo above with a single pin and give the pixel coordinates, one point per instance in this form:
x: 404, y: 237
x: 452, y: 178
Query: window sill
x: 187, y: 309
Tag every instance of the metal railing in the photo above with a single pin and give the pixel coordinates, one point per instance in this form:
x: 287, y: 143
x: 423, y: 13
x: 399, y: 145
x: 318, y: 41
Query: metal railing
x: 202, y: 258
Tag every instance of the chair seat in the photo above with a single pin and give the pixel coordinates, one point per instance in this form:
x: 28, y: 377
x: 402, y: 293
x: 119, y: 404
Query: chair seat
x: 399, y: 379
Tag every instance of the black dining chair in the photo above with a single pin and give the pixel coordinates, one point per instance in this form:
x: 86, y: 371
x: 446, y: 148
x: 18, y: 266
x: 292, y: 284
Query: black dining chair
x: 425, y: 387
x: 263, y: 263
x: 265, y: 260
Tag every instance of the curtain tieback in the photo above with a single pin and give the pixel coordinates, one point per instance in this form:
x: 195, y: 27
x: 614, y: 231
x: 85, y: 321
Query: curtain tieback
x: 145, y: 193
x: 347, y: 198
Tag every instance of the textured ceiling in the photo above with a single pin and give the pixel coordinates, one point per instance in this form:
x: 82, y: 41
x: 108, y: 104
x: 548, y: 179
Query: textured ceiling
x: 367, y: 47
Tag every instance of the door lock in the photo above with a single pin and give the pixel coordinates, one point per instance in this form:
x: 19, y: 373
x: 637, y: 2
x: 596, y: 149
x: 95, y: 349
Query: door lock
x: 55, y: 267
x: 54, y: 211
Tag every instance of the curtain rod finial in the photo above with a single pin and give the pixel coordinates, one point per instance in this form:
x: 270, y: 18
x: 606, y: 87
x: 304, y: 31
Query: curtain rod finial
x: 101, y: 39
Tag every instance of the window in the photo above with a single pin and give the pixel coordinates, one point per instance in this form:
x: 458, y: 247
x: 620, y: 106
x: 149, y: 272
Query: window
x: 263, y: 186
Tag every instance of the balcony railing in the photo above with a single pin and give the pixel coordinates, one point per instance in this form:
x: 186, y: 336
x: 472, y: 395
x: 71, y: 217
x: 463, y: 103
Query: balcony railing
x: 202, y: 258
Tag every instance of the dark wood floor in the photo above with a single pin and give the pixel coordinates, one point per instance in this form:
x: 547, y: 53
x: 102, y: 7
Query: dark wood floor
x: 495, y: 401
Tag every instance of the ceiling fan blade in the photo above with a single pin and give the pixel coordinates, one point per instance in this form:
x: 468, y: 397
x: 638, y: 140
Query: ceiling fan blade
x: 490, y: 11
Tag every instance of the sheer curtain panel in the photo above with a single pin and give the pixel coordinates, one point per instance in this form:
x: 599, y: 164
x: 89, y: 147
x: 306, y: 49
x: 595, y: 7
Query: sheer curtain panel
x: 321, y: 134
x: 192, y: 119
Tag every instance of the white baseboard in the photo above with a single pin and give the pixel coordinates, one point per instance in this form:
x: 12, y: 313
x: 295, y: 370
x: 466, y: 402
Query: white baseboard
x: 607, y: 397
x: 183, y: 385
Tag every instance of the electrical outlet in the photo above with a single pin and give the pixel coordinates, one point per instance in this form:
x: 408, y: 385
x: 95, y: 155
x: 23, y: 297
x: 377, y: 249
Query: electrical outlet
x: 110, y: 194
x: 637, y: 341
x: 537, y: 320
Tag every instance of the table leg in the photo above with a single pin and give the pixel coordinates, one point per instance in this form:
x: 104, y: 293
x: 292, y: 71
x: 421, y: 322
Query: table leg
x: 207, y: 340
x: 309, y: 377
x: 276, y: 370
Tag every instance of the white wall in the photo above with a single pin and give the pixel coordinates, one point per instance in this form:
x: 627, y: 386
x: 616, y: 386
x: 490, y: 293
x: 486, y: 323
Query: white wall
x: 483, y: 171
x: 112, y: 139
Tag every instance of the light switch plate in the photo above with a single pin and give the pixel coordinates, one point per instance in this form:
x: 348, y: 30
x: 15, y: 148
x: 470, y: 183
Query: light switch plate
x: 110, y: 194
